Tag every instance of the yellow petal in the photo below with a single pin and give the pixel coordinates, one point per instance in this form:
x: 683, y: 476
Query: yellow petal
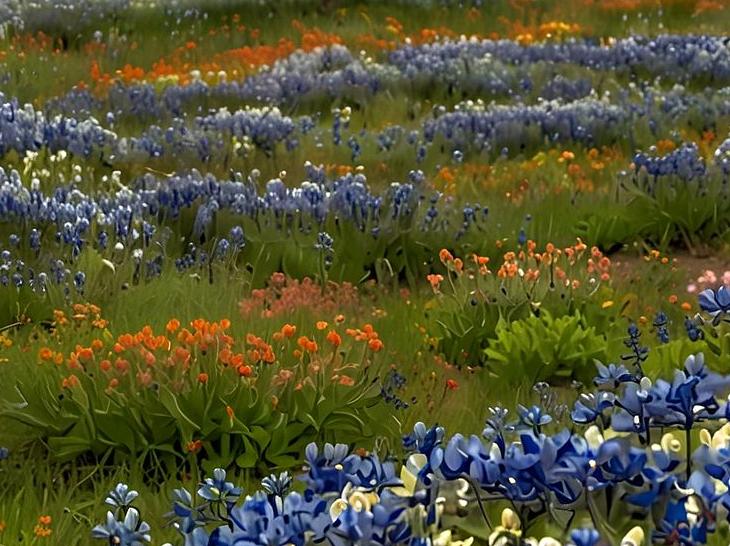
x: 337, y: 508
x: 635, y: 537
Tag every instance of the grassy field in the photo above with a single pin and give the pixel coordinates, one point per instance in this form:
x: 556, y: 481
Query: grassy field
x: 229, y: 229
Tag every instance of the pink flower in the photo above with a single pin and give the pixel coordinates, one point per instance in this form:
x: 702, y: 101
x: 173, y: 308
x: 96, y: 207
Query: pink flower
x: 692, y: 288
x: 708, y: 277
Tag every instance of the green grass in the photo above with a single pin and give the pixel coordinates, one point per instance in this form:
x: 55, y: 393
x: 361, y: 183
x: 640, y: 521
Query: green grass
x: 32, y: 483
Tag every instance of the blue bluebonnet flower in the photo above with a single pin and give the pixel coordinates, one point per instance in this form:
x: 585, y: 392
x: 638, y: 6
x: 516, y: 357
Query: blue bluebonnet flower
x: 389, y: 390
x: 258, y: 522
x: 612, y: 376
x: 680, y: 527
x: 638, y: 353
x: 189, y: 516
x: 692, y: 327
x: 80, y: 281
x: 590, y: 406
x: 715, y: 303
x: 661, y: 323
x: 585, y: 537
x: 685, y: 162
x: 217, y: 489
x: 380, y: 525
x: 131, y: 531
x: 533, y: 418
x: 497, y: 426
x: 422, y: 439
x: 521, y: 237
x: 121, y: 496
x: 34, y: 239
x: 277, y: 485
x: 4, y: 453
x: 325, y: 246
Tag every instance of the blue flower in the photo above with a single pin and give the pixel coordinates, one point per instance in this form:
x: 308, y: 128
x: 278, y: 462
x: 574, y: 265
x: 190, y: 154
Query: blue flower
x: 217, y: 489
x: 715, y: 303
x: 590, y: 406
x: 121, y: 496
x: 497, y: 426
x: 423, y: 440
x: 677, y: 528
x: 638, y: 353
x: 533, y: 417
x: 619, y: 462
x: 277, y: 485
x: 585, y: 537
x: 692, y: 327
x: 129, y: 532
x: 661, y: 322
x: 612, y: 376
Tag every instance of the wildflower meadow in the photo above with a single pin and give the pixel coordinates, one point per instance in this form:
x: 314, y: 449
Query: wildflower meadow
x: 364, y: 273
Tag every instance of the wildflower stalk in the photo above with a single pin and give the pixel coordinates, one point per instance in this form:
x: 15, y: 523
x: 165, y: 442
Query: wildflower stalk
x: 480, y: 504
x: 688, y: 441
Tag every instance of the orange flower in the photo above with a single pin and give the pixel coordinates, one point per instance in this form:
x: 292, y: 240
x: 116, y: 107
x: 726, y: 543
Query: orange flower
x: 144, y: 378
x: 193, y: 446
x: 321, y: 325
x: 288, y: 330
x: 45, y: 520
x: 375, y: 345
x: 435, y: 280
x: 445, y: 255
x: 85, y: 354
x: 45, y: 354
x: 236, y: 360
x: 202, y: 378
x: 224, y: 356
x: 149, y: 358
x: 451, y: 384
x: 172, y: 325
x: 230, y: 413
x: 672, y: 299
x: 70, y: 382
x: 97, y: 345
x: 245, y: 371
x: 121, y: 365
x: 334, y: 338
x: 686, y: 306
x: 42, y: 532
x: 346, y: 380
x: 181, y: 355
x: 105, y: 365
